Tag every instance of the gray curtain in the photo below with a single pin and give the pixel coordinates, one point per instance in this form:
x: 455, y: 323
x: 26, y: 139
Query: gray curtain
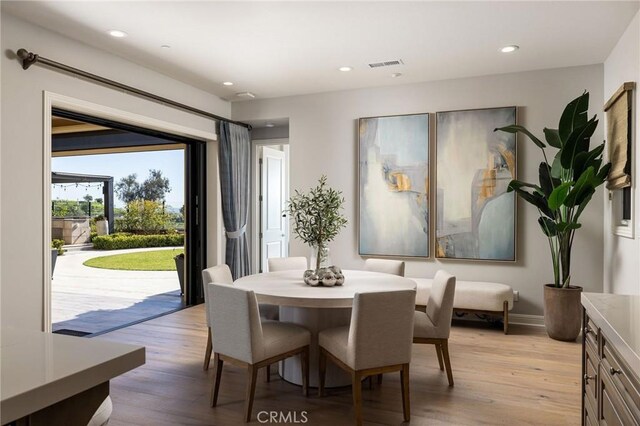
x: 235, y: 158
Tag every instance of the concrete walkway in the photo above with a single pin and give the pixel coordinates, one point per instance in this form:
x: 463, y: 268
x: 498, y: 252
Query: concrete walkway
x: 92, y: 299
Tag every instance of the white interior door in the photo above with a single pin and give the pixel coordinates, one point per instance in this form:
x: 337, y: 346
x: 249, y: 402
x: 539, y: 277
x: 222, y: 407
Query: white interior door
x: 273, y: 221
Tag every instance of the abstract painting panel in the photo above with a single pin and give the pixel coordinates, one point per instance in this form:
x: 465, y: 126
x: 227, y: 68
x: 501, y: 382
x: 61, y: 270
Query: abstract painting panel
x: 394, y: 186
x: 475, y: 216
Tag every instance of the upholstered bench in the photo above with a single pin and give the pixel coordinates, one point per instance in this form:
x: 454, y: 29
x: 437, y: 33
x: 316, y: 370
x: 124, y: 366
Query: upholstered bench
x: 473, y: 297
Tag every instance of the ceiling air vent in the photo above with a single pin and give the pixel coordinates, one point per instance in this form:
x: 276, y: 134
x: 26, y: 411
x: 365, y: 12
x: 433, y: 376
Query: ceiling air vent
x: 386, y: 63
x: 247, y: 95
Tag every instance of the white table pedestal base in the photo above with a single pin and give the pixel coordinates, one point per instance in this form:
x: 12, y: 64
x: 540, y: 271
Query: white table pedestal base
x: 314, y: 320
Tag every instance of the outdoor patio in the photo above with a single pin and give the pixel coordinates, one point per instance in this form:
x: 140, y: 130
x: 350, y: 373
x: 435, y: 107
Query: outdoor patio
x: 91, y: 300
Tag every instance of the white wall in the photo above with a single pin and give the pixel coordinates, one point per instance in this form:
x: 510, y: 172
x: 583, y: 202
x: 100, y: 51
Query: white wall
x: 22, y: 138
x: 621, y: 254
x: 323, y: 139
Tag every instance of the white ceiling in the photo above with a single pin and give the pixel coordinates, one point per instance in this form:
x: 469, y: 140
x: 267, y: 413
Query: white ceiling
x: 288, y: 48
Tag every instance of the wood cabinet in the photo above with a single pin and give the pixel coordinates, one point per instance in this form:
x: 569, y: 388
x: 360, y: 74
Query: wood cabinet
x: 610, y: 386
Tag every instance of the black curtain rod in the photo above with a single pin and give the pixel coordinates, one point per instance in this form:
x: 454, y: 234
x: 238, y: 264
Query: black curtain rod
x: 30, y: 58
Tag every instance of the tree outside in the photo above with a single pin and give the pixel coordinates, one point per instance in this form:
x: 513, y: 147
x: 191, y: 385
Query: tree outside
x: 128, y: 189
x: 155, y: 187
x: 144, y: 216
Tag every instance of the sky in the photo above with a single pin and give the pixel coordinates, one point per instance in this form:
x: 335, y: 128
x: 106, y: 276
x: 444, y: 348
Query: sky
x: 171, y: 163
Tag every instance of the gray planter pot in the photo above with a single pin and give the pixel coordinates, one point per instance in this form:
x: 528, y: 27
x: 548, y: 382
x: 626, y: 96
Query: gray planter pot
x: 54, y: 257
x: 562, y: 312
x: 179, y: 259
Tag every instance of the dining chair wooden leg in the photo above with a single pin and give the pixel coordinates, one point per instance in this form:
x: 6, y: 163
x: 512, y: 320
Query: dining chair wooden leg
x: 406, y: 400
x: 268, y: 378
x: 304, y: 356
x: 439, y: 352
x: 217, y: 363
x: 357, y: 396
x: 251, y: 390
x: 322, y: 371
x: 447, y: 361
x: 207, y: 351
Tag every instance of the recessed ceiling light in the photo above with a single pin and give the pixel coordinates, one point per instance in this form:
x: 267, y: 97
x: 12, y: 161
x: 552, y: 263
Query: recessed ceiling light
x: 117, y: 33
x: 269, y: 125
x: 228, y: 83
x: 345, y: 69
x: 396, y: 74
x: 510, y: 48
x: 165, y: 46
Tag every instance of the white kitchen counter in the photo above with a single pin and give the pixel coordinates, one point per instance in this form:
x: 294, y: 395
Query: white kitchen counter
x: 40, y: 369
x: 618, y: 317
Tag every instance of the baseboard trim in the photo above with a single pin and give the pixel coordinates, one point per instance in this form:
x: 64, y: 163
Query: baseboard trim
x: 530, y: 320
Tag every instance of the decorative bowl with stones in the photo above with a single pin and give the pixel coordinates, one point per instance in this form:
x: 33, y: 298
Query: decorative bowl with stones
x: 326, y: 277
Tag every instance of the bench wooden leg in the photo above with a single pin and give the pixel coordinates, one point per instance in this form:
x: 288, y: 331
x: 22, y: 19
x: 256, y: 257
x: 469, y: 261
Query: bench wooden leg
x: 505, y: 319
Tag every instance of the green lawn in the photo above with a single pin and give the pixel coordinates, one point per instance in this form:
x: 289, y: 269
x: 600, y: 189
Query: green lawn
x: 156, y: 260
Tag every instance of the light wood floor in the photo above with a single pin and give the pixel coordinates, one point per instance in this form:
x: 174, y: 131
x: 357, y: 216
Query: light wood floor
x: 523, y: 378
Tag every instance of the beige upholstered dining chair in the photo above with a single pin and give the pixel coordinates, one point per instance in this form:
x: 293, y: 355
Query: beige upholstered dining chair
x: 287, y: 264
x: 377, y: 341
x: 222, y: 274
x: 387, y: 266
x: 434, y: 325
x: 215, y: 274
x: 242, y: 339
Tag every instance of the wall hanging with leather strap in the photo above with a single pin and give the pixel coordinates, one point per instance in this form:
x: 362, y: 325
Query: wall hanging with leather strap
x: 619, y: 135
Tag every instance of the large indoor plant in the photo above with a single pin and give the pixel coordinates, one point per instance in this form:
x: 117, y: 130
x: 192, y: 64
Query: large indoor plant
x: 317, y: 217
x: 565, y: 187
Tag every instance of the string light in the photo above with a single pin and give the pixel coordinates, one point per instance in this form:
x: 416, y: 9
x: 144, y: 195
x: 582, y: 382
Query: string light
x: 87, y: 186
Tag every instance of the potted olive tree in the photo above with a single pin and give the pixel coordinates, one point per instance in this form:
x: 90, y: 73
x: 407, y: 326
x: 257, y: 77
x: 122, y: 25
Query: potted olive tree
x: 317, y: 218
x: 564, y: 188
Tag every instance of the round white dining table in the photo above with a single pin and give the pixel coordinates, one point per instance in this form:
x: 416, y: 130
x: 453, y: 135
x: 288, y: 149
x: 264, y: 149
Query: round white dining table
x: 316, y: 309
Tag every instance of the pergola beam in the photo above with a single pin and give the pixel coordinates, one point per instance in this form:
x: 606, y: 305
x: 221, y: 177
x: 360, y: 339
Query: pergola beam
x: 107, y: 190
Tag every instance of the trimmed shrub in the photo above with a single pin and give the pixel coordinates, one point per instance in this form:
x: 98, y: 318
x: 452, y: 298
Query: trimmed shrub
x: 121, y: 241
